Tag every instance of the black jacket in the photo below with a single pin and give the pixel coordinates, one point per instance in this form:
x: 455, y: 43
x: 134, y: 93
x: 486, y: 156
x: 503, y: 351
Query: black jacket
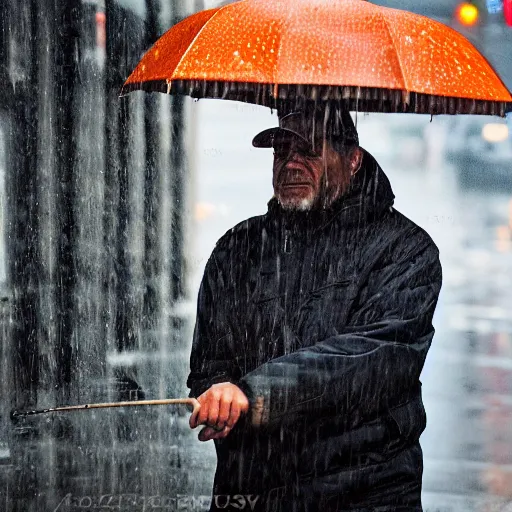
x: 324, y: 319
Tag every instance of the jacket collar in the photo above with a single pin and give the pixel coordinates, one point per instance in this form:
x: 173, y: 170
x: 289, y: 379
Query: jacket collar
x: 368, y: 196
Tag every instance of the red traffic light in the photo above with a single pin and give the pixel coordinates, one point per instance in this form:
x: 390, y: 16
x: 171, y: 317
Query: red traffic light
x: 507, y: 12
x: 467, y: 14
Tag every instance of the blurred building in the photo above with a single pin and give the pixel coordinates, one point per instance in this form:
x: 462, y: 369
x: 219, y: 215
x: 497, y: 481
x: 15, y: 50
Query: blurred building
x: 93, y: 258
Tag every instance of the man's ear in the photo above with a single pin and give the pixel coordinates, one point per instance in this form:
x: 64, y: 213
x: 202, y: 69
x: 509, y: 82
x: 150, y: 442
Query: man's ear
x: 356, y: 159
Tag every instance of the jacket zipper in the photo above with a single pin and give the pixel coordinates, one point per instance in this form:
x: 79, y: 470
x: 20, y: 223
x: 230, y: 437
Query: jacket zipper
x: 287, y: 242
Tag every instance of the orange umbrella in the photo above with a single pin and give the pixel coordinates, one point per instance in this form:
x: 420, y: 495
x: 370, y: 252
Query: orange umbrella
x: 375, y: 58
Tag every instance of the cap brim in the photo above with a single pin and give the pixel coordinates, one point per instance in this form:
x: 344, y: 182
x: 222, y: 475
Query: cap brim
x: 265, y: 138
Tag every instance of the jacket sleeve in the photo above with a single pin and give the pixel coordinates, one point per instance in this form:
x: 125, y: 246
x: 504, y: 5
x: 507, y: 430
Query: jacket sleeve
x: 372, y: 363
x: 211, y: 358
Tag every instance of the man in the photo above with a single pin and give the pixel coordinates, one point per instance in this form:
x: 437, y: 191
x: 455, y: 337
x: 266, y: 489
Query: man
x: 313, y: 324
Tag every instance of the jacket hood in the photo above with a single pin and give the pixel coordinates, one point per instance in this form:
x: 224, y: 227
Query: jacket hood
x: 368, y: 195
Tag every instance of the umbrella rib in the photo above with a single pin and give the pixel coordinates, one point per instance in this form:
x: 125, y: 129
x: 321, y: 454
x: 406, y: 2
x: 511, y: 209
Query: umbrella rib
x: 383, y: 17
x: 199, y: 33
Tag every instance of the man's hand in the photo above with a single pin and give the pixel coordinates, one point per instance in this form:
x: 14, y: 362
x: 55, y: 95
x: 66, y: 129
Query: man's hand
x: 221, y: 407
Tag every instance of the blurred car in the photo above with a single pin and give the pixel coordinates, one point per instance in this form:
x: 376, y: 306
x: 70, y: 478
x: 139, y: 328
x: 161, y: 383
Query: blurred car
x: 480, y: 148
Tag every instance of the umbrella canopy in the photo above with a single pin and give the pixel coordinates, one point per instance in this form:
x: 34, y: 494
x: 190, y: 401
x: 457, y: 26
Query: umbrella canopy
x: 375, y: 58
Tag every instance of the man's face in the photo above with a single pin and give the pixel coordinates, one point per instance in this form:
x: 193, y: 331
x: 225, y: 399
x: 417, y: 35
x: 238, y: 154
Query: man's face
x: 304, y: 179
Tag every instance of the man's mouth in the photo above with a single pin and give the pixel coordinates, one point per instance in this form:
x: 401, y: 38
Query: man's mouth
x: 286, y: 184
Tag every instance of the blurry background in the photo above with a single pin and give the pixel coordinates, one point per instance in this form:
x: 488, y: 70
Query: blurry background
x: 110, y: 208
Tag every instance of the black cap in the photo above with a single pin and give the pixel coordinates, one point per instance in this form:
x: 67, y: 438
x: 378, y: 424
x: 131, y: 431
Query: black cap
x: 311, y: 126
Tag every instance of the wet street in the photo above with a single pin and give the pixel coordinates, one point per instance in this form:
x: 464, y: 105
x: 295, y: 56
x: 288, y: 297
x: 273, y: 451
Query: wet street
x: 467, y: 378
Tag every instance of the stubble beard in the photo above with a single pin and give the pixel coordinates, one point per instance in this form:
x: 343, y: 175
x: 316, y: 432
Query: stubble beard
x: 315, y: 199
x: 292, y: 203
x: 296, y: 204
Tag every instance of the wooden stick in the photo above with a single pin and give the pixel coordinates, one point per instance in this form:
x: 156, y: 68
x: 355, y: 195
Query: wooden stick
x: 168, y: 401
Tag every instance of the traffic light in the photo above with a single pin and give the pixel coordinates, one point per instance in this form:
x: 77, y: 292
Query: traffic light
x: 467, y: 14
x: 507, y: 12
